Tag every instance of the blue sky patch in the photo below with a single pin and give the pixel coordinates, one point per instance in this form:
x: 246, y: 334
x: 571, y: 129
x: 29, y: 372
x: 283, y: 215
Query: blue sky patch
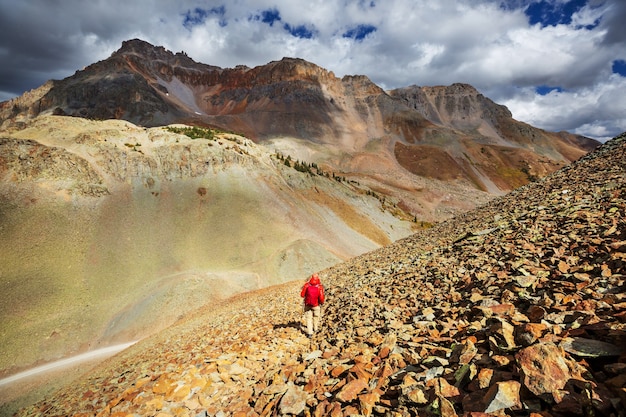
x: 619, y: 67
x: 359, y: 32
x: 546, y: 89
x: 299, y: 31
x: 270, y: 16
x: 548, y: 13
x: 198, y: 16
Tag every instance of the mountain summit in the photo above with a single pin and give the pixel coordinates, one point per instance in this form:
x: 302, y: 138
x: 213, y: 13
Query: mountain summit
x: 427, y: 147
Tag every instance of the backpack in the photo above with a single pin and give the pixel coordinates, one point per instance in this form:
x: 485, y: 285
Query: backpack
x: 312, y: 295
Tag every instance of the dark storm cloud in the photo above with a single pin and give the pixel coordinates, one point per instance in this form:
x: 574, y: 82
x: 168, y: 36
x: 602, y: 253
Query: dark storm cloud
x: 615, y: 23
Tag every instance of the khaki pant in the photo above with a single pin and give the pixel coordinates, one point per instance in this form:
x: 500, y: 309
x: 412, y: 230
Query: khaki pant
x: 312, y: 318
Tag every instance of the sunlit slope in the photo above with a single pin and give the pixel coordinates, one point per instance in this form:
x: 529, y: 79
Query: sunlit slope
x: 111, y: 232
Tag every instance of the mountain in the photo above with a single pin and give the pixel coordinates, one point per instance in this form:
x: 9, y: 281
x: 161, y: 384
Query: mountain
x: 436, y: 150
x: 515, y: 308
x: 117, y: 218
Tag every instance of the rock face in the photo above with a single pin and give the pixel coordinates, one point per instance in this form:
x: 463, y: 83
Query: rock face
x: 516, y: 308
x: 445, y: 142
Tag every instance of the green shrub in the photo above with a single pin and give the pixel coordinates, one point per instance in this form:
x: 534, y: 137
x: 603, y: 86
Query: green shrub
x: 194, y: 132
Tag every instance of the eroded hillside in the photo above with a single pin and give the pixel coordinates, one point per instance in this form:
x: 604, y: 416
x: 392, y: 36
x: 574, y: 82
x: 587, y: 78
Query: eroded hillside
x: 516, y: 308
x: 110, y: 232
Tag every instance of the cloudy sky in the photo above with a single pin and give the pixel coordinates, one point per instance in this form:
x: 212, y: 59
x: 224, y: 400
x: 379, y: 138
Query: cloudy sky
x: 557, y: 64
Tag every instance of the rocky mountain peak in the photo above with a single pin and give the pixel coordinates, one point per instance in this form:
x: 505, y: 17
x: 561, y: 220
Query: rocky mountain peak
x: 139, y: 46
x: 455, y: 105
x: 455, y: 89
x: 153, y: 61
x: 443, y: 133
x: 290, y: 69
x: 362, y: 85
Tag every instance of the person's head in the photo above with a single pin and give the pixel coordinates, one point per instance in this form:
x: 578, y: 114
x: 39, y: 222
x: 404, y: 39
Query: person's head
x: 315, y: 279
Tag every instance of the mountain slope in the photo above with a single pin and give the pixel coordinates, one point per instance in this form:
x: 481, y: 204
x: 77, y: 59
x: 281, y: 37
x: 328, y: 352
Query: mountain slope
x: 110, y: 231
x: 515, y: 308
x: 479, y: 149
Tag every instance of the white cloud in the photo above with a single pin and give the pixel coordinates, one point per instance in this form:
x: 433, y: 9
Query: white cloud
x: 596, y: 111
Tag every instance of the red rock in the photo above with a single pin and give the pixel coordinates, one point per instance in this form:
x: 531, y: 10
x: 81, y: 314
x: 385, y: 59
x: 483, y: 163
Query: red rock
x: 501, y: 360
x: 506, y: 309
x: 192, y: 403
x: 408, y: 380
x: 351, y: 390
x: 368, y: 401
x: 181, y: 393
x: 293, y: 401
x: 416, y: 395
x: 464, y: 352
x: 335, y: 411
x: 503, y: 395
x: 443, y: 388
x: 501, y: 335
x: 338, y: 370
x: 535, y: 313
x: 528, y: 333
x: 360, y: 371
x: 384, y: 352
x: 330, y: 353
x: 484, y: 377
x: 446, y: 408
x: 245, y: 412
x: 163, y: 386
x: 383, y: 375
x: 316, y: 381
x: 322, y: 409
x: 544, y: 368
x: 350, y: 411
x: 154, y: 405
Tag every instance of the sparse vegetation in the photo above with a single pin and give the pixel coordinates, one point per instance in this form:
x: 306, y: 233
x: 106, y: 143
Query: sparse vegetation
x: 197, y: 132
x: 531, y: 177
x: 313, y: 169
x: 194, y: 132
x: 305, y: 167
x: 133, y: 146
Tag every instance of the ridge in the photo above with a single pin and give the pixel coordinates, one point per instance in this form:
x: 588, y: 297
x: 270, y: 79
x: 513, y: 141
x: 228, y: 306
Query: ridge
x: 451, y: 142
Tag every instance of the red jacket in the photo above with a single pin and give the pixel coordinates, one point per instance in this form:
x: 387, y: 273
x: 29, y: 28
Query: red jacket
x: 313, y: 292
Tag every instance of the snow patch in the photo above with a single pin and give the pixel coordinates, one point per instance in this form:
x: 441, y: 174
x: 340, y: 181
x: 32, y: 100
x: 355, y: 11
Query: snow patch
x: 182, y: 93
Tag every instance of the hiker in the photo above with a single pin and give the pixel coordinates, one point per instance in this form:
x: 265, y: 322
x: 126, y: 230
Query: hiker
x: 313, y: 294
